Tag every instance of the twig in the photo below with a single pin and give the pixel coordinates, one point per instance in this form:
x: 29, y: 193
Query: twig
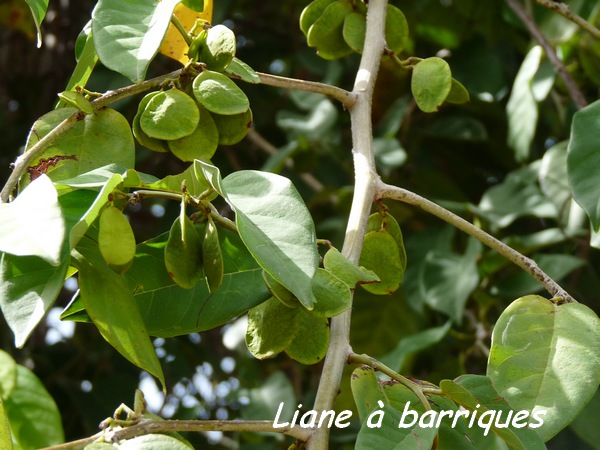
x: 525, y: 263
x: 563, y: 10
x: 574, y: 91
x: 364, y: 190
x: 346, y: 98
x: 168, y: 426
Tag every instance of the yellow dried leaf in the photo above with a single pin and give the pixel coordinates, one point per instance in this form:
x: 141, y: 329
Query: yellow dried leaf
x: 174, y: 45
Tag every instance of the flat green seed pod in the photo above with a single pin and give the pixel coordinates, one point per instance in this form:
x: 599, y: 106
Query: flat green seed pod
x: 396, y: 29
x: 219, y: 94
x: 380, y: 254
x: 183, y: 253
x: 312, y: 12
x: 212, y: 257
x: 218, y: 49
x: 170, y: 115
x: 156, y: 145
x: 201, y: 144
x: 326, y: 34
x: 386, y: 221
x: 354, y: 31
x: 116, y: 239
x: 431, y: 83
x: 232, y: 129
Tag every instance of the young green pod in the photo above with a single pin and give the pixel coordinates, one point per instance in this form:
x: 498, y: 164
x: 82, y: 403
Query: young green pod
x: 116, y: 239
x: 183, y: 253
x: 218, y: 49
x: 212, y: 256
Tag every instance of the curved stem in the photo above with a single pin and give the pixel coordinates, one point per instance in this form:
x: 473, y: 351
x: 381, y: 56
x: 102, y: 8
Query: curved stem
x: 525, y: 263
x: 346, y: 98
x: 364, y: 190
x: 563, y: 10
x: 166, y: 426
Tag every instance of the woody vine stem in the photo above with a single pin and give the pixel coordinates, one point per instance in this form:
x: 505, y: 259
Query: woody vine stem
x: 368, y: 188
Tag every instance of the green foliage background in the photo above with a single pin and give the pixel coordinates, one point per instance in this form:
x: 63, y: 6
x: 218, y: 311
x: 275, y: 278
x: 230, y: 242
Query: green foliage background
x: 459, y: 157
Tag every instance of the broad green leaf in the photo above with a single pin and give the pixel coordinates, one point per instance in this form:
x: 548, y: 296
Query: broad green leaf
x: 86, y: 61
x: 414, y: 343
x: 522, y: 108
x: 447, y: 279
x: 476, y: 393
x: 321, y: 118
x: 170, y: 115
x: 232, y: 129
x: 553, y: 176
x: 127, y: 35
x: 96, y: 178
x: 312, y: 339
x: 156, y: 145
x: 431, y: 83
x: 583, y: 161
x: 276, y: 227
x: 32, y: 413
x: 366, y: 391
x: 586, y: 424
x: 5, y: 437
x: 8, y: 375
x: 332, y: 295
x: 326, y: 33
x: 387, y: 222
x: 544, y: 357
x: 280, y: 292
x: 458, y: 93
x: 38, y: 10
x: 33, y: 224
x: 396, y: 30
x: 209, y: 174
x: 381, y: 255
x: 272, y: 327
x: 153, y: 442
x: 219, y: 94
x: 312, y: 12
x: 194, y: 184
x: 169, y: 310
x: 355, y: 27
x: 347, y: 271
x: 112, y: 307
x: 28, y: 288
x: 76, y: 100
x: 239, y: 70
x: 100, y: 139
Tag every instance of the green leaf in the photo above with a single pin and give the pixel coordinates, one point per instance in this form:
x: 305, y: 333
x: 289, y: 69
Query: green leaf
x: 312, y: 339
x: 239, y: 70
x: 396, y: 30
x: 272, y: 327
x: 544, y: 357
x: 585, y: 425
x: 169, y: 310
x: 32, y: 413
x: 265, y: 399
x: 86, y: 61
x: 355, y: 27
x: 76, y: 100
x: 5, y: 437
x: 276, y: 227
x: 219, y: 94
x: 33, y: 224
x: 100, y: 139
x: 232, y: 129
x: 156, y: 145
x: 431, y: 83
x: 447, y: 279
x: 194, y: 184
x: 201, y: 143
x: 476, y: 393
x: 28, y: 288
x: 385, y: 221
x: 170, y: 115
x: 583, y: 161
x: 332, y: 295
x: 111, y: 305
x: 458, y: 93
x: 153, y: 442
x: 127, y: 35
x: 38, y: 10
x: 326, y: 33
x: 8, y: 375
x: 380, y: 254
x: 312, y: 12
x: 522, y: 108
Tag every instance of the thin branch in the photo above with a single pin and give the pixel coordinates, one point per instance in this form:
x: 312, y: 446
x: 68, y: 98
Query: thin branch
x: 346, y: 98
x: 169, y: 426
x: 563, y: 10
x: 525, y: 263
x: 364, y: 189
x: 574, y: 91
